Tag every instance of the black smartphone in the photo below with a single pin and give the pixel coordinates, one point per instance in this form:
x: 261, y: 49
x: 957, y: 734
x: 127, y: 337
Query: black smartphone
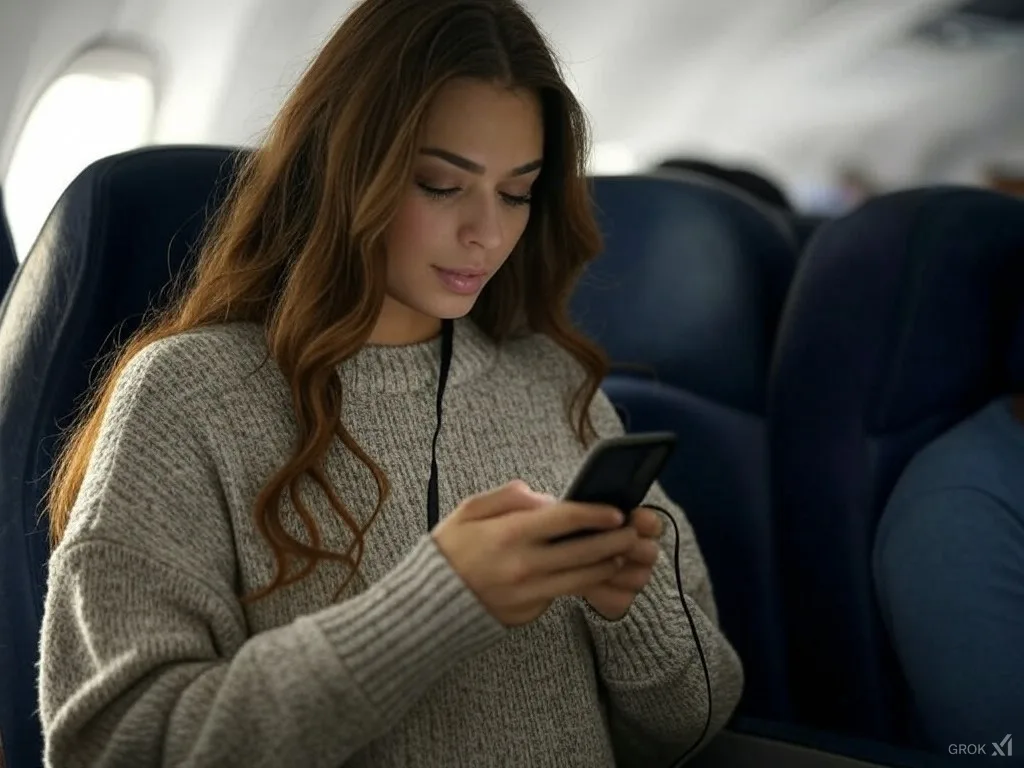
x: 620, y: 471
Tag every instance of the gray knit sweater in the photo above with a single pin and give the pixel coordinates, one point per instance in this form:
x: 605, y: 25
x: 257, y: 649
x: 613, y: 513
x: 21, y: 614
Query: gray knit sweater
x: 150, y: 659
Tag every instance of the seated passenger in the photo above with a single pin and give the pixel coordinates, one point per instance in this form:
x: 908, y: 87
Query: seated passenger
x: 949, y: 569
x: 248, y: 571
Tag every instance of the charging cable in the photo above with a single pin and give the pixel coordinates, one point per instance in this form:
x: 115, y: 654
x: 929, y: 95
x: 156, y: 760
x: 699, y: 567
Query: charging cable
x: 696, y: 637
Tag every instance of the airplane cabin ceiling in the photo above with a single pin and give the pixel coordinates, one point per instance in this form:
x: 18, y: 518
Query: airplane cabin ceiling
x: 798, y: 87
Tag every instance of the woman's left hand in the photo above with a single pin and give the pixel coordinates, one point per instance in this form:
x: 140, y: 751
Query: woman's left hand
x: 613, y: 598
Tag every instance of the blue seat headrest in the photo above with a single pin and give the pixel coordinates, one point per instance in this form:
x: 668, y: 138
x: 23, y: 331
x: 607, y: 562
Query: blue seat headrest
x: 906, y: 308
x: 118, y: 235
x: 690, y: 283
x: 116, y: 238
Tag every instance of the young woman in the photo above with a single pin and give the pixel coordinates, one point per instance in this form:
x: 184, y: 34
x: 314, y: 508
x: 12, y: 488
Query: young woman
x: 248, y: 572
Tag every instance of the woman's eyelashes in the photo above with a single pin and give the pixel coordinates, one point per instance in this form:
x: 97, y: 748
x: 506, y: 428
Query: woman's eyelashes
x: 442, y: 193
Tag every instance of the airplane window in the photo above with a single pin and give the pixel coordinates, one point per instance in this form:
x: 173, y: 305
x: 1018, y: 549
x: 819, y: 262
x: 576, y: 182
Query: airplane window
x: 102, y: 105
x: 609, y: 158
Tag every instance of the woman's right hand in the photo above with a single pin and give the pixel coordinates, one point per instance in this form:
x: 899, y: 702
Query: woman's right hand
x: 500, y: 544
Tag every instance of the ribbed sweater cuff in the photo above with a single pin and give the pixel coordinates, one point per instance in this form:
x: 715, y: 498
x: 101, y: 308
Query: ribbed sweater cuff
x: 648, y: 640
x: 413, y: 626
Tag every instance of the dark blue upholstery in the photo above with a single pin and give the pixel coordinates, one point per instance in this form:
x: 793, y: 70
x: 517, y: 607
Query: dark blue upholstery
x: 805, y: 227
x: 897, y: 326
x: 8, y: 258
x: 781, y: 218
x: 690, y: 285
x: 107, y: 252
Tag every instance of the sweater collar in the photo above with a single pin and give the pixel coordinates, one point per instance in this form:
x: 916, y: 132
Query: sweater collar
x: 391, y: 369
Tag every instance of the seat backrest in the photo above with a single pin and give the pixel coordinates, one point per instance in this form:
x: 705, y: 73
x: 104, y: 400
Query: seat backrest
x: 8, y: 257
x: 725, y: 180
x: 805, y: 226
x: 690, y: 284
x: 896, y: 327
x: 111, y: 246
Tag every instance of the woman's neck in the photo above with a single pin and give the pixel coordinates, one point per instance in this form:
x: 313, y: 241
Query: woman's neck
x: 399, y: 325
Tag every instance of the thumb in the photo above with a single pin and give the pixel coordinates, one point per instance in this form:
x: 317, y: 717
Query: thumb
x: 511, y: 497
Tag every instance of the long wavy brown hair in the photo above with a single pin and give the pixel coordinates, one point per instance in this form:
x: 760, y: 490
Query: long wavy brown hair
x: 299, y: 245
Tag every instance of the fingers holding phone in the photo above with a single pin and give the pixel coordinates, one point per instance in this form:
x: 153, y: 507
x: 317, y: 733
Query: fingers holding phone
x: 519, y: 550
x: 500, y: 545
x: 614, y: 597
x: 647, y: 522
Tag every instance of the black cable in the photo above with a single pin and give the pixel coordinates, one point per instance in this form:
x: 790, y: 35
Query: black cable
x: 447, y: 340
x: 696, y: 639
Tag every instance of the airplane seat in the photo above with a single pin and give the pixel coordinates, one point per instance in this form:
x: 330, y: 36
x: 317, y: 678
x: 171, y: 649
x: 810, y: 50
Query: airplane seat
x: 727, y: 181
x: 896, y: 327
x: 687, y: 290
x: 109, y: 248
x: 805, y: 226
x: 8, y: 256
